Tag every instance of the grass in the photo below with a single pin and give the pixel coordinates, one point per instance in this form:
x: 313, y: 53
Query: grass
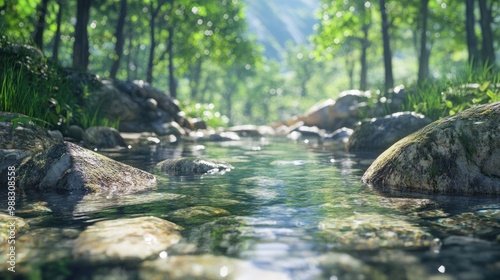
x: 40, y: 90
x: 440, y: 98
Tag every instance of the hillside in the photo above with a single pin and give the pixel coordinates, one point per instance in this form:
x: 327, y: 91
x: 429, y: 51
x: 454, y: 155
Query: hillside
x: 276, y: 22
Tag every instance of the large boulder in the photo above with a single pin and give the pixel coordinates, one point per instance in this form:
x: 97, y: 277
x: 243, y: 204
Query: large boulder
x: 125, y: 240
x: 68, y: 167
x: 334, y: 114
x: 381, y: 133
x: 455, y: 155
x: 193, y: 166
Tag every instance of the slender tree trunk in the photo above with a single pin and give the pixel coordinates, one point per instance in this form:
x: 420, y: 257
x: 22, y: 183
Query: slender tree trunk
x: 363, y: 81
x: 196, y: 77
x: 172, y: 84
x: 350, y: 72
x: 57, y: 36
x: 152, y: 37
x: 488, y: 52
x: 81, y: 45
x: 40, y: 23
x: 423, y: 59
x: 389, y: 79
x: 471, y: 34
x: 120, y: 39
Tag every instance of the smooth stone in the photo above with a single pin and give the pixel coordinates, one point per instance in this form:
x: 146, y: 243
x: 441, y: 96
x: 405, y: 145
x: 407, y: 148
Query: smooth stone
x: 197, y: 214
x: 125, y: 240
x: 75, y: 132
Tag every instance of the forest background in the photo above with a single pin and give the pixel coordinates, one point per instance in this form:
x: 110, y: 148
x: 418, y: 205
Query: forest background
x: 233, y: 62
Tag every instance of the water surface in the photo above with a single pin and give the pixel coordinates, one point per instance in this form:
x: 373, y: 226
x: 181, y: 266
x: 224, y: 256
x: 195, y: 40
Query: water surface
x: 293, y: 208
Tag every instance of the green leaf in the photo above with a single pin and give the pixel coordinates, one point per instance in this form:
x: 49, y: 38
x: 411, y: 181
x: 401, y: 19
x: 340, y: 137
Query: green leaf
x: 484, y: 86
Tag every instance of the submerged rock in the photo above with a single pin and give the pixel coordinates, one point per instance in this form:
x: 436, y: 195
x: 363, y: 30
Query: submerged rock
x: 125, y: 240
x: 68, y: 167
x: 206, y: 267
x: 6, y: 221
x: 455, y: 155
x: 193, y: 166
x: 197, y: 214
x: 381, y: 133
x: 102, y: 137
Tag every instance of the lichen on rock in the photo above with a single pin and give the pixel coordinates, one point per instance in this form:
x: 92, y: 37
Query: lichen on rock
x: 455, y: 155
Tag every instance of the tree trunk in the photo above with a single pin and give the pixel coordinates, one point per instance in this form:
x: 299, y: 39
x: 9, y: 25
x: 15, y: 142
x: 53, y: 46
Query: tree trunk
x: 81, y: 45
x: 120, y: 39
x: 40, y: 23
x: 389, y: 79
x: 423, y: 59
x: 363, y: 81
x: 172, y: 85
x: 152, y: 27
x: 57, y: 36
x: 195, y: 79
x: 350, y: 71
x: 488, y: 52
x: 471, y: 34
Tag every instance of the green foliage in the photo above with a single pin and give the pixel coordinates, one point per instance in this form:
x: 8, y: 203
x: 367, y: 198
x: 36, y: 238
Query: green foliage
x: 441, y: 98
x: 207, y: 113
x: 31, y: 87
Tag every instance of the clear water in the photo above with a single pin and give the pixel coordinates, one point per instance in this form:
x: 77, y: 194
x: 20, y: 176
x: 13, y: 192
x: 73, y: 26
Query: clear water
x: 294, y: 208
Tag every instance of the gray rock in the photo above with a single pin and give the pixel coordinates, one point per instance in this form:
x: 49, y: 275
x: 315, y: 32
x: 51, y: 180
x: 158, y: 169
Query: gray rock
x: 249, y: 130
x: 381, y: 133
x: 18, y: 132
x: 56, y: 134
x: 169, y: 128
x: 334, y: 114
x: 125, y: 240
x: 75, y: 132
x: 455, y: 155
x: 68, y: 167
x: 102, y: 137
x: 340, y: 135
x: 193, y: 166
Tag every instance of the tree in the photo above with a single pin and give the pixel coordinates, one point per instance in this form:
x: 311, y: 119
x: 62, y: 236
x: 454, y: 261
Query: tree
x: 57, y: 36
x: 389, y: 79
x: 488, y: 51
x: 81, y: 45
x: 40, y: 23
x: 344, y: 23
x: 471, y: 33
x: 120, y: 39
x: 152, y: 37
x: 424, y: 50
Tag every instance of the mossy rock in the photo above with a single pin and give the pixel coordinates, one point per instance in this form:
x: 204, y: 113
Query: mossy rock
x: 192, y: 166
x: 455, y: 155
x: 69, y: 167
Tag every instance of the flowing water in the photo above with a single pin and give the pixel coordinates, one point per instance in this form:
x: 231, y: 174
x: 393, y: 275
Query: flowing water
x: 296, y: 209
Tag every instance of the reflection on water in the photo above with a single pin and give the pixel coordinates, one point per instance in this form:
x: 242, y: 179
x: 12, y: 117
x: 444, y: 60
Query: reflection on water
x: 287, y: 210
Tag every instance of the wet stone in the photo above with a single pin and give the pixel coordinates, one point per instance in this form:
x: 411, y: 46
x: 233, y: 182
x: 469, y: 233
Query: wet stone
x: 205, y: 267
x: 371, y: 231
x: 197, y: 214
x: 193, y: 166
x: 125, y: 240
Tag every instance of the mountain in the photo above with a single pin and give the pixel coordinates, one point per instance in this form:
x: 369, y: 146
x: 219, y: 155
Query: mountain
x: 275, y: 22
